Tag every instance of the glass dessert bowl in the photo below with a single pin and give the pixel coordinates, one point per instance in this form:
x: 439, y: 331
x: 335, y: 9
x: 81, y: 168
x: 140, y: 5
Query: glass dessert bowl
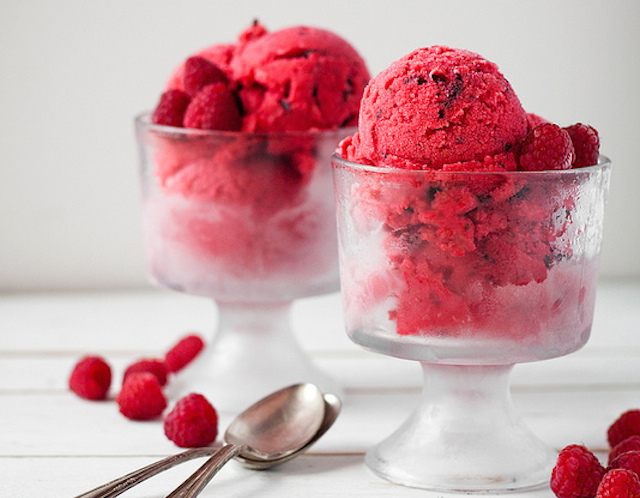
x: 468, y: 273
x: 248, y: 220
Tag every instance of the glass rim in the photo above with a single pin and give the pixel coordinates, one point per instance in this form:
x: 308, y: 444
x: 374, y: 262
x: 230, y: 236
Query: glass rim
x: 339, y: 162
x: 143, y: 120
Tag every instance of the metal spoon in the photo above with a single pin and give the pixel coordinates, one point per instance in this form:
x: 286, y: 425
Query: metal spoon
x: 332, y: 407
x: 275, y: 427
x: 235, y: 437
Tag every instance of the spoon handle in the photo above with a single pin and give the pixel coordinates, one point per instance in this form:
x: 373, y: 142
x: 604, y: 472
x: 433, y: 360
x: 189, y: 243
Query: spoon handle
x: 121, y: 484
x: 194, y: 485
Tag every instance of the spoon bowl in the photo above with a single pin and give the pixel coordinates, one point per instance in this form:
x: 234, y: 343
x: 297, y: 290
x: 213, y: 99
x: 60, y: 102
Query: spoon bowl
x: 278, y: 425
x: 332, y: 407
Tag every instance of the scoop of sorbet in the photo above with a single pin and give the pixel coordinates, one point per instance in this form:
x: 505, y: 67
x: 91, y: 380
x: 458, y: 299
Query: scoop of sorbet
x: 438, y: 107
x: 293, y: 79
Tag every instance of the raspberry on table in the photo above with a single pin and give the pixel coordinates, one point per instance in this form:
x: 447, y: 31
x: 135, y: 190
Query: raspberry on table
x: 577, y: 473
x: 171, y: 108
x: 546, y: 147
x: 629, y: 460
x: 586, y: 143
x: 183, y: 353
x: 619, y: 483
x: 151, y: 365
x: 193, y: 422
x: 632, y: 443
x: 628, y: 424
x: 141, y: 397
x: 199, y: 72
x: 91, y: 378
x: 213, y: 108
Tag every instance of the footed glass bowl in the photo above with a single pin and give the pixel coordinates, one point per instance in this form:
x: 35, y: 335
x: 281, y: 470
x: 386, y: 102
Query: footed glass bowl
x: 247, y: 220
x: 468, y: 274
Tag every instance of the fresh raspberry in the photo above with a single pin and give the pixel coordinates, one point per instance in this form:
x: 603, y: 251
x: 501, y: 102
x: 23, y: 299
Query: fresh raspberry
x: 534, y: 120
x: 171, y: 108
x: 630, y: 444
x: 141, y: 397
x: 577, y: 473
x: 213, y: 108
x: 199, y: 72
x: 253, y: 32
x: 586, y: 144
x: 193, y: 422
x: 153, y: 366
x: 183, y: 353
x: 619, y: 483
x: 546, y: 147
x: 628, y: 424
x: 629, y: 460
x: 91, y: 378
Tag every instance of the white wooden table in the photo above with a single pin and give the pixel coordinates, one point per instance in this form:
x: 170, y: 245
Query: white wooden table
x: 53, y: 444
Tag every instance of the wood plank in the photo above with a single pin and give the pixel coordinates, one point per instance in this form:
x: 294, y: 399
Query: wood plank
x: 358, y: 370
x: 309, y: 476
x: 62, y: 424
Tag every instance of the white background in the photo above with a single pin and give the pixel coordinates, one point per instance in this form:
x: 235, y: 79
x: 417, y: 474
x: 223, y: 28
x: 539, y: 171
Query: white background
x: 74, y: 73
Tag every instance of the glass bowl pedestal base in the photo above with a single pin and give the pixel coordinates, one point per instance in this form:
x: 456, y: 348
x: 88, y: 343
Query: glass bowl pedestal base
x: 464, y: 436
x: 254, y: 352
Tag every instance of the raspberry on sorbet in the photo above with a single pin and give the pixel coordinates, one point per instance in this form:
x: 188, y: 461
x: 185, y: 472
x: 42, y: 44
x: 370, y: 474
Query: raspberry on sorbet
x: 546, y: 147
x: 171, y: 108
